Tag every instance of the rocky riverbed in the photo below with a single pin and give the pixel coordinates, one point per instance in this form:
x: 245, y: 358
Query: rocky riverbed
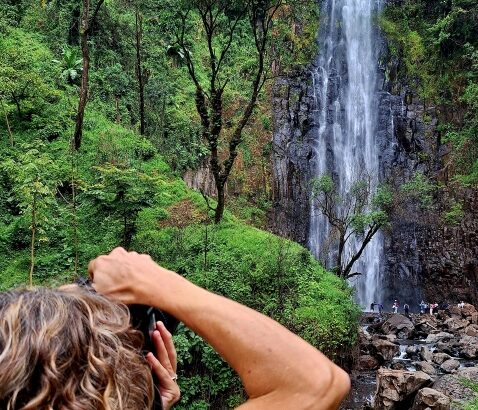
x: 417, y: 362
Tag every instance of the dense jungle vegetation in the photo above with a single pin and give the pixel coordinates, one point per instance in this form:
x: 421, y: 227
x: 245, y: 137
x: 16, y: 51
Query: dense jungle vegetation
x: 434, y: 50
x: 71, y: 190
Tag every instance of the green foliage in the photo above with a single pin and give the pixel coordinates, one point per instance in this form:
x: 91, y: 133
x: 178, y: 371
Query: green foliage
x: 357, y: 213
x: 269, y: 274
x: 473, y: 386
x: 70, y: 64
x: 24, y: 73
x: 436, y: 47
x: 455, y: 214
x: 322, y: 185
x: 420, y: 189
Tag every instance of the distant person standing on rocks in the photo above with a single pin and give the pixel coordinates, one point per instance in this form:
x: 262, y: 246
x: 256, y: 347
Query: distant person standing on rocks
x: 423, y: 307
x: 372, y: 307
x: 461, y: 305
x: 380, y: 308
x: 395, y: 307
x: 406, y: 308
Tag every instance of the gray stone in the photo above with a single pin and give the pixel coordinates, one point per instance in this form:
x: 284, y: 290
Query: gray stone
x: 385, y: 349
x: 439, y: 358
x: 425, y: 354
x: 450, y: 365
x: 394, y: 386
x: 452, y: 385
x: 469, y: 352
x: 367, y: 362
x: 436, y: 337
x: 471, y: 330
x: 456, y: 324
x: 430, y: 399
x: 399, y: 325
x: 426, y: 367
x: 411, y: 351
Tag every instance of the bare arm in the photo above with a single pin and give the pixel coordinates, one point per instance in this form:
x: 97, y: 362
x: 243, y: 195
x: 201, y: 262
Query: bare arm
x: 278, y: 369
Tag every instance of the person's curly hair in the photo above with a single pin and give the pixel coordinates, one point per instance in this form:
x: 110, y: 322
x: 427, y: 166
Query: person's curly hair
x: 70, y: 350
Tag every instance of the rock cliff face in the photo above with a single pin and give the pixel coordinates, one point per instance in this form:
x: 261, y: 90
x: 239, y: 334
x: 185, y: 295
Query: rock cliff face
x: 424, y: 257
x: 292, y: 153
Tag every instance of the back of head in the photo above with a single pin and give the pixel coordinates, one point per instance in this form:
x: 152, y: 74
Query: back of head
x: 69, y: 350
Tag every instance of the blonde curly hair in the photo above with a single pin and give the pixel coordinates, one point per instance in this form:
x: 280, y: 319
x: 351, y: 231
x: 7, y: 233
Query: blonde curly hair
x: 70, y: 350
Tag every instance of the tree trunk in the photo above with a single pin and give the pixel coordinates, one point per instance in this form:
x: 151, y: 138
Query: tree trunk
x: 118, y: 114
x: 10, y: 135
x: 139, y: 69
x: 84, y: 75
x: 220, y: 203
x: 75, y: 219
x: 17, y: 103
x: 32, y: 245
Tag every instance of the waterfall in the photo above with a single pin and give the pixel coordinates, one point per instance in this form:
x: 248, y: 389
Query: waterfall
x: 345, y: 88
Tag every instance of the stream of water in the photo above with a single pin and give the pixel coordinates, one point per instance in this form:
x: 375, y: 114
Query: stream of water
x: 345, y: 87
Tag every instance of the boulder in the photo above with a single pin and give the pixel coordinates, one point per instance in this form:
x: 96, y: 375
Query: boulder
x: 445, y: 347
x: 425, y: 354
x: 430, y: 399
x: 367, y: 362
x: 397, y: 386
x: 398, y: 366
x: 454, y: 324
x: 411, y: 351
x: 426, y: 367
x: 450, y: 365
x: 469, y: 352
x: 455, y: 311
x: 439, y: 336
x: 385, y: 349
x: 452, y: 384
x: 468, y: 310
x: 474, y: 318
x: 471, y: 330
x: 399, y: 325
x: 468, y: 347
x: 439, y: 358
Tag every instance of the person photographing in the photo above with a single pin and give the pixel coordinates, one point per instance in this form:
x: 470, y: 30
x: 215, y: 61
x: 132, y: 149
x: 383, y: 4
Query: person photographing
x: 74, y: 348
x: 278, y: 369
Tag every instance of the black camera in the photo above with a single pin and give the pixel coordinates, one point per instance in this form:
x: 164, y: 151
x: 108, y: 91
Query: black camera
x: 144, y: 319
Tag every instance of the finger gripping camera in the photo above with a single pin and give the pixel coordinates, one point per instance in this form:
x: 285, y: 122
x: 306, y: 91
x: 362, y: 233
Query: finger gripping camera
x: 144, y: 319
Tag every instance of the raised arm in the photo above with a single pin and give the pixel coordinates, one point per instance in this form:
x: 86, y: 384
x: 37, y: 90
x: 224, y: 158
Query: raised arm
x: 278, y: 369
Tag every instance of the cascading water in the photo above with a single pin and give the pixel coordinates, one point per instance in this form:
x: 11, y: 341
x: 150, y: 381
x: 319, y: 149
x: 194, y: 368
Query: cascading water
x: 345, y: 87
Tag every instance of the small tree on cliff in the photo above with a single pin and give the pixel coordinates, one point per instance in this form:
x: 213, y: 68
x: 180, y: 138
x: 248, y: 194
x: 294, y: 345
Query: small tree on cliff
x: 358, y: 213
x: 223, y: 25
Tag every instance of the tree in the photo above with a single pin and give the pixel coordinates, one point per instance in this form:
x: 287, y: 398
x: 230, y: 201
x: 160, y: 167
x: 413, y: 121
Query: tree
x: 34, y: 181
x: 357, y: 214
x: 86, y: 26
x: 139, y: 68
x: 222, y: 24
x: 122, y: 193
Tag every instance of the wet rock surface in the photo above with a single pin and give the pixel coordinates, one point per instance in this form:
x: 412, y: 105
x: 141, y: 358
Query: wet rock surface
x: 431, y: 399
x: 426, y: 369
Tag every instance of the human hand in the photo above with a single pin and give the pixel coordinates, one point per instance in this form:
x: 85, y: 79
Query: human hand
x: 127, y: 276
x: 164, y: 365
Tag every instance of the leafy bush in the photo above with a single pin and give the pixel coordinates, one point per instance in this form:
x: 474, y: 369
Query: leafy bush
x: 274, y: 276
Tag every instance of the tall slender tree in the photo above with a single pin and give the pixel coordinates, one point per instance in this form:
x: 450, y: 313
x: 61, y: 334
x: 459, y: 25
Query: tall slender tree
x: 139, y: 66
x: 221, y: 26
x: 87, y: 23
